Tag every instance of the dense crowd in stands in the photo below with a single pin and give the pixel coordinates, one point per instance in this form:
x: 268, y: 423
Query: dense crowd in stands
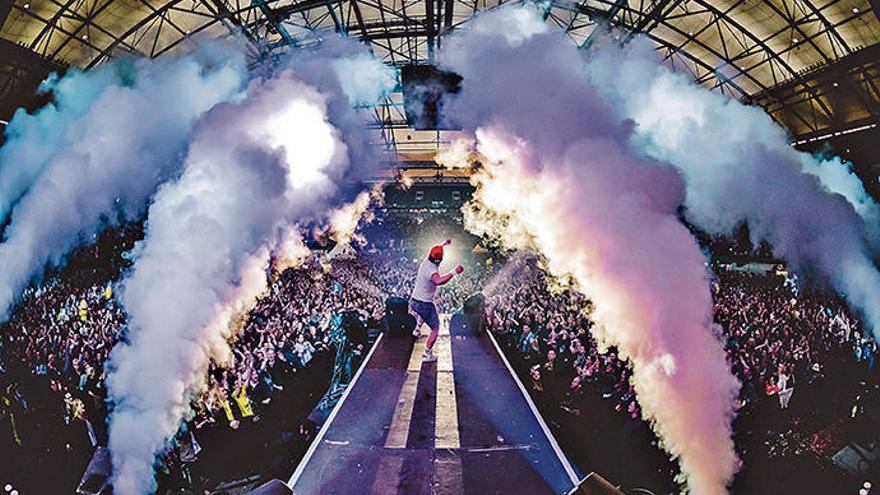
x: 775, y: 336
x: 60, y: 336
x: 550, y: 333
x: 54, y: 348
x: 778, y: 336
x: 284, y: 332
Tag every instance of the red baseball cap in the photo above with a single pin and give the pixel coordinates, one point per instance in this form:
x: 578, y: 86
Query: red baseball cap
x: 436, y: 253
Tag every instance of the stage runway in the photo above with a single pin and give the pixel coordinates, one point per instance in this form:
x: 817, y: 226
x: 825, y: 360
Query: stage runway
x: 461, y: 424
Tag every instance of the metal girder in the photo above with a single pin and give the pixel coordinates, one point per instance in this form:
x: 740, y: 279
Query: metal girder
x: 676, y: 49
x: 220, y: 14
x: 801, y: 34
x: 359, y: 17
x: 601, y: 28
x: 654, y: 17
x: 848, y: 74
x: 393, y: 30
x: 85, y: 22
x: 429, y: 25
x: 275, y: 21
x: 106, y: 52
x: 694, y: 38
x: 30, y: 13
x: 340, y: 28
x: 793, y: 74
x: 829, y: 28
x: 448, y: 9
x: 51, y: 24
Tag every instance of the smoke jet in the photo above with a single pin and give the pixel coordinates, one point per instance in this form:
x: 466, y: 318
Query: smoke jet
x: 255, y: 169
x: 739, y: 166
x: 94, y: 157
x: 557, y: 175
x: 204, y: 257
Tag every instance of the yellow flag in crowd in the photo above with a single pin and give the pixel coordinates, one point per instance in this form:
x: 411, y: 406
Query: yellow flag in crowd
x: 83, y: 310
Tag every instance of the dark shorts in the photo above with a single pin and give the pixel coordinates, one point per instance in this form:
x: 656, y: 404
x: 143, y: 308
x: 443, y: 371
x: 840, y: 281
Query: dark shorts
x: 427, y: 311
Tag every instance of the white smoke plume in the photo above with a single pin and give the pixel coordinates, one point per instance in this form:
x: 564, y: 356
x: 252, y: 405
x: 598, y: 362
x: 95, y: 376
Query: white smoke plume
x: 558, y: 177
x: 95, y: 156
x: 739, y: 167
x: 344, y: 67
x: 290, y: 252
x: 255, y: 169
x: 839, y: 176
x: 344, y: 221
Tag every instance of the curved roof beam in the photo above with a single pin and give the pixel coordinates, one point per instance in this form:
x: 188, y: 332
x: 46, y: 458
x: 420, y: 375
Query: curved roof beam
x: 793, y: 75
x: 582, y: 8
x: 220, y: 15
x: 85, y: 22
x: 55, y: 27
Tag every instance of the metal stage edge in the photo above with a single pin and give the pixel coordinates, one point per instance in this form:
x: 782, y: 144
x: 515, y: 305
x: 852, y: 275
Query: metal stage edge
x: 326, y: 426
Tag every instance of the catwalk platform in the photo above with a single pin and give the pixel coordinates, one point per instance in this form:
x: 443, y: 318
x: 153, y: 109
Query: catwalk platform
x: 462, y: 424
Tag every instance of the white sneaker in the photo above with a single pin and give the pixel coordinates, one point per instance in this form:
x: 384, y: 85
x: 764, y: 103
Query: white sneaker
x: 428, y: 356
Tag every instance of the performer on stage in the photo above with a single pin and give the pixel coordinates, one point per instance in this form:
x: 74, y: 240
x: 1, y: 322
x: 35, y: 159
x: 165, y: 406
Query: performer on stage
x: 422, y: 300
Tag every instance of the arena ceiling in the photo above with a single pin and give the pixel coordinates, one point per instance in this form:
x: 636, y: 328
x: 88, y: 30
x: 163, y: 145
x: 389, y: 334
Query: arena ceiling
x: 812, y: 64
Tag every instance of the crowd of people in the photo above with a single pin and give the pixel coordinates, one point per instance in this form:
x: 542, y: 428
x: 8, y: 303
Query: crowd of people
x: 547, y: 329
x: 399, y: 242
x: 58, y: 339
x: 54, y: 347
x: 778, y: 337
x: 283, y: 333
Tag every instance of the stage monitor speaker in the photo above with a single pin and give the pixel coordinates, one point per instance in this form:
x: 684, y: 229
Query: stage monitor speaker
x: 854, y: 459
x: 355, y: 329
x: 272, y: 487
x: 594, y: 484
x: 398, y: 321
x: 475, y: 304
x: 474, y: 310
x: 96, y: 479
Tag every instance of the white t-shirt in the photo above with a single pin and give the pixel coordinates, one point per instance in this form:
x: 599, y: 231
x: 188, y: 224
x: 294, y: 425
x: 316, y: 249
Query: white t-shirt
x: 425, y: 288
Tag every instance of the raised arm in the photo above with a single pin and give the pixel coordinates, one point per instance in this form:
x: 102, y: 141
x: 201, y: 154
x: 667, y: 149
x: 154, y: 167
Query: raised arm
x: 442, y: 279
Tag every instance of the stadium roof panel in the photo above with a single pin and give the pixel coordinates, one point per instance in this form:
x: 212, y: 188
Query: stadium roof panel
x: 747, y: 49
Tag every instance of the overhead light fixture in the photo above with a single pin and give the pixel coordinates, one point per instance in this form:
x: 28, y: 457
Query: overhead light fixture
x: 27, y: 6
x: 794, y: 40
x: 690, y: 33
x: 835, y: 84
x: 855, y: 10
x: 85, y: 36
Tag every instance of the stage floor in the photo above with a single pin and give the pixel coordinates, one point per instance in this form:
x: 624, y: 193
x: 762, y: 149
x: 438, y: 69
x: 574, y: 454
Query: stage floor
x: 461, y: 424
